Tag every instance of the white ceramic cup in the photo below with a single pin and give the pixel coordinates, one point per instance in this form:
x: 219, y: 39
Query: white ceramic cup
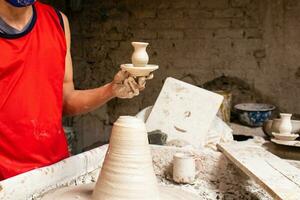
x: 184, y: 168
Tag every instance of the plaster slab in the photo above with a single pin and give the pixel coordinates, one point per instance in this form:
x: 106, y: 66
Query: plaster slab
x: 184, y: 112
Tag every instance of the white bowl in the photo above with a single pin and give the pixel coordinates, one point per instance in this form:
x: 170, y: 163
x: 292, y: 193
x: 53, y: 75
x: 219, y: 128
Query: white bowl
x: 139, y: 71
x: 285, y: 137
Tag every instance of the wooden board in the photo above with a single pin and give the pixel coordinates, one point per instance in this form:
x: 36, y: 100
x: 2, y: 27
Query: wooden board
x: 184, y: 112
x: 280, y: 179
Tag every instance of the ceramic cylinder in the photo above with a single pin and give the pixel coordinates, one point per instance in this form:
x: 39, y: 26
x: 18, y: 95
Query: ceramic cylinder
x: 139, y: 57
x: 184, y: 168
x: 285, y: 126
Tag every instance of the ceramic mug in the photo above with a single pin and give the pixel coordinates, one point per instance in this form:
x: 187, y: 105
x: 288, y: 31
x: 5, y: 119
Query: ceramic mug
x: 184, y: 168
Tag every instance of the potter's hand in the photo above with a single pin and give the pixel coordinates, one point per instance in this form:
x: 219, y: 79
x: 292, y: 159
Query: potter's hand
x: 125, y: 86
x: 142, y: 81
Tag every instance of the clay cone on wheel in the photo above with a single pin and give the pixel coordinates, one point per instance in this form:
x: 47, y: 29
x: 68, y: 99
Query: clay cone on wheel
x: 127, y: 171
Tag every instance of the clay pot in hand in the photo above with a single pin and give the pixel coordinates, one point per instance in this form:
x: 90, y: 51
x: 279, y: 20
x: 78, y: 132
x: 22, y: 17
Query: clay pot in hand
x: 139, y: 57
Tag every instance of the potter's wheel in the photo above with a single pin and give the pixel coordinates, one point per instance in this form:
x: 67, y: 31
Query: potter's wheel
x: 127, y: 172
x: 84, y: 192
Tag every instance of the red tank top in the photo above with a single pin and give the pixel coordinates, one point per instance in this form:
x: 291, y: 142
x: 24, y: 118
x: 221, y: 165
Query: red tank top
x: 31, y: 95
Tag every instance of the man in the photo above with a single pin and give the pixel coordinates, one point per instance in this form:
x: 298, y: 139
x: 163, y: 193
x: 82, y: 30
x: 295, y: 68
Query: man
x: 36, y: 86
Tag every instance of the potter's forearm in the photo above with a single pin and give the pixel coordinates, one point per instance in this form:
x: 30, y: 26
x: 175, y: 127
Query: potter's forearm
x: 83, y: 101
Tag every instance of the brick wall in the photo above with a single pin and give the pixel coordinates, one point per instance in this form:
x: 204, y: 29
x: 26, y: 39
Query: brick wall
x: 192, y: 40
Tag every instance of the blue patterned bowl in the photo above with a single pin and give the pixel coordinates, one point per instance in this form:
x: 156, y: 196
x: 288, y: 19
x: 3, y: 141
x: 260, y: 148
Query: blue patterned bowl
x: 254, y: 114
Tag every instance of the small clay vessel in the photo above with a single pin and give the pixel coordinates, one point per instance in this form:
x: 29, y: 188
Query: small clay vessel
x: 139, y: 57
x: 285, y: 126
x: 184, y: 168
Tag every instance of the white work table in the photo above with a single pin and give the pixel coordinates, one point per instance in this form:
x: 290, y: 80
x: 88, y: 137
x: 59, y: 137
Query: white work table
x: 217, y: 178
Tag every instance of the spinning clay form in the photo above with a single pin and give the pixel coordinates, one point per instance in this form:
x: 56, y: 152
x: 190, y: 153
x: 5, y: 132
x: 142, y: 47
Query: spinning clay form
x: 127, y: 172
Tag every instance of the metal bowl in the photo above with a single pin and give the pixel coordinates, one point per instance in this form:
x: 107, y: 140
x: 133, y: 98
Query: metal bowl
x: 254, y: 114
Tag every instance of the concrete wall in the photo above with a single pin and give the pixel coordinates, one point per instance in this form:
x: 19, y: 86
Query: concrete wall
x: 193, y: 40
